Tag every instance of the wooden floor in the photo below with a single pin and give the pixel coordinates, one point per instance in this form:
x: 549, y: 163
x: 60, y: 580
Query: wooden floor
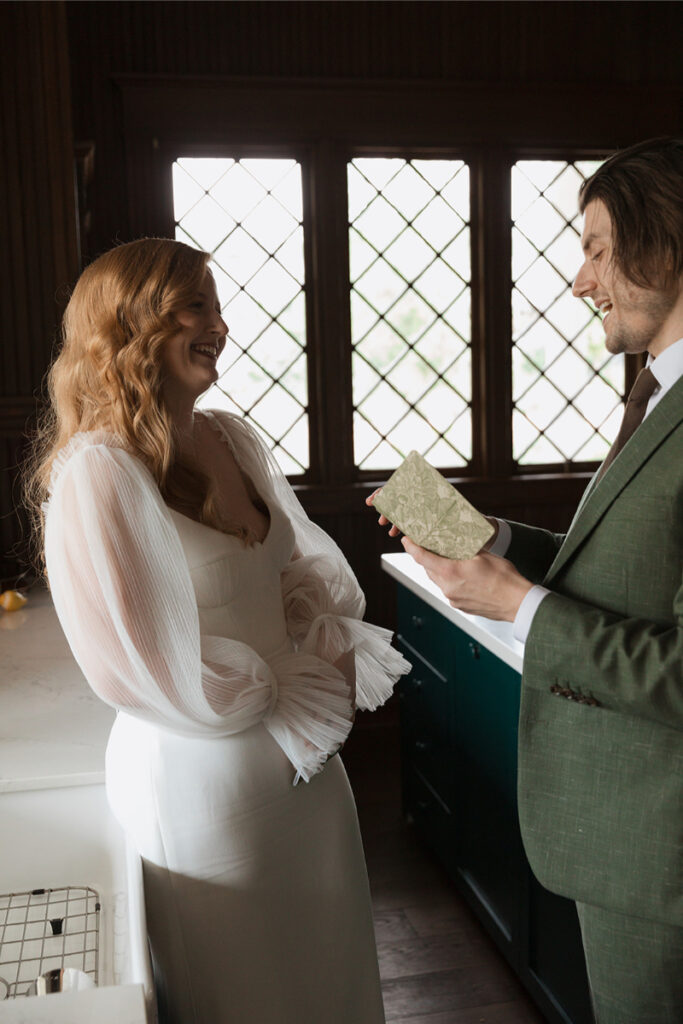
x: 438, y: 966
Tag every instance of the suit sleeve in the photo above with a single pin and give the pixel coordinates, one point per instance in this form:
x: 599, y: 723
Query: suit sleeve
x: 532, y: 550
x: 631, y: 665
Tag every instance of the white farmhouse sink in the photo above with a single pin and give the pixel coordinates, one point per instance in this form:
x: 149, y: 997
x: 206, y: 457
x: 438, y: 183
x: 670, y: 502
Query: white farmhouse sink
x: 56, y: 831
x: 59, y: 837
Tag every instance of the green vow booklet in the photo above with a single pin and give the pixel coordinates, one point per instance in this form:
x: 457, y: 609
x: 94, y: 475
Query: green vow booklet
x: 426, y: 508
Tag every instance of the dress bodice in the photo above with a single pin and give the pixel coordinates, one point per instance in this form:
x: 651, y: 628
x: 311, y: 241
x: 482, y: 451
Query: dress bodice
x: 237, y: 585
x: 188, y: 628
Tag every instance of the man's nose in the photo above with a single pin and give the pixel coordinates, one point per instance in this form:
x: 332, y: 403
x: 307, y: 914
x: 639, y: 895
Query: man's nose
x: 585, y: 282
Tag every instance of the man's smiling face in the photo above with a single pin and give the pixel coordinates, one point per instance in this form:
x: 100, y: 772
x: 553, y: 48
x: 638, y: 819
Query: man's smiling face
x: 633, y: 317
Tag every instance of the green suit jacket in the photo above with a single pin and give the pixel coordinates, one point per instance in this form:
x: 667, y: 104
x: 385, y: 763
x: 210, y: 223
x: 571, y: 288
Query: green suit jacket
x: 601, y: 784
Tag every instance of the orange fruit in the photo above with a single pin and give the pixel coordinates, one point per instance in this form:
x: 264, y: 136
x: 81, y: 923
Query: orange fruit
x: 12, y: 600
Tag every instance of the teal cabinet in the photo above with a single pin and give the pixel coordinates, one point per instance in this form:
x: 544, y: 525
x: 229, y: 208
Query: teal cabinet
x: 459, y: 713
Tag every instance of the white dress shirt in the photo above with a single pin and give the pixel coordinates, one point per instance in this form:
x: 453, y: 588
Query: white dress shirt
x: 668, y: 369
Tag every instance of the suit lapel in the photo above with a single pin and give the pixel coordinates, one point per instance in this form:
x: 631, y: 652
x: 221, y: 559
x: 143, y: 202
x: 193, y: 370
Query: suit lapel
x: 663, y: 419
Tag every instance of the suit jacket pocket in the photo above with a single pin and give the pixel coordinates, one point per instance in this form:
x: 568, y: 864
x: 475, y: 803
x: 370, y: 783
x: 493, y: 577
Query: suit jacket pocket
x: 601, y: 805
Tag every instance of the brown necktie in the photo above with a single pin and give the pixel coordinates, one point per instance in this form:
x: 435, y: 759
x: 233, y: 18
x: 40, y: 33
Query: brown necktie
x: 641, y: 392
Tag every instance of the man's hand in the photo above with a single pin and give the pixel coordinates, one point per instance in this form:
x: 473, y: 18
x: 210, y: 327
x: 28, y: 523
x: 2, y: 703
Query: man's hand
x: 383, y: 521
x: 484, y: 585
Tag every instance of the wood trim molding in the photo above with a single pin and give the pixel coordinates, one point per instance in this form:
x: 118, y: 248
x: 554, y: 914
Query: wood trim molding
x: 492, y: 496
x: 16, y: 412
x: 396, y: 112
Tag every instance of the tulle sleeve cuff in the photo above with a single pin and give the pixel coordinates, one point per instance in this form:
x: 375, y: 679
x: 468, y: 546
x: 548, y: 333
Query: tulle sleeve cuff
x: 311, y: 713
x: 378, y: 664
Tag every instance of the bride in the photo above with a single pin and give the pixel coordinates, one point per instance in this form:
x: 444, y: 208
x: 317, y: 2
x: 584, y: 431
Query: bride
x: 201, y: 602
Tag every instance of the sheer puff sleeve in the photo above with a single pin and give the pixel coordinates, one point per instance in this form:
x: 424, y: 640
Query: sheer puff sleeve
x: 124, y: 597
x: 324, y: 609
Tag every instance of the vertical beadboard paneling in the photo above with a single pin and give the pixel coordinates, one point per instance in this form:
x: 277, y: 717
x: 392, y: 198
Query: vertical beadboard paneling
x: 364, y: 40
x: 39, y: 205
x: 486, y: 43
x: 37, y: 215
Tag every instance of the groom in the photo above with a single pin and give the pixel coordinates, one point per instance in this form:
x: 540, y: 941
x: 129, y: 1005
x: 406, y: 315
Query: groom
x: 601, y: 613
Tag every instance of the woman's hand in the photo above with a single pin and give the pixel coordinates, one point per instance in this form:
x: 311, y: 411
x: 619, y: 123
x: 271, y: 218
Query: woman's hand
x: 383, y: 521
x: 346, y: 664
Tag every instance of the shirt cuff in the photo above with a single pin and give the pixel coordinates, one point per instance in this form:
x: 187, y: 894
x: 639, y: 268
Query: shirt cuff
x: 502, y: 541
x: 526, y: 611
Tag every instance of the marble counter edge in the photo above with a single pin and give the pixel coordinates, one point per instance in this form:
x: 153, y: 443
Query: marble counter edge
x: 108, y: 1004
x: 19, y: 785
x: 496, y: 637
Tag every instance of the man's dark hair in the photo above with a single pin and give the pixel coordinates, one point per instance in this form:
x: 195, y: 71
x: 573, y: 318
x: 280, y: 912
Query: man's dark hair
x: 642, y: 188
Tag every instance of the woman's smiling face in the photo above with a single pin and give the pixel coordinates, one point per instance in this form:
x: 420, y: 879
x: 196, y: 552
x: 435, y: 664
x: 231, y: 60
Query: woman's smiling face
x: 190, y: 356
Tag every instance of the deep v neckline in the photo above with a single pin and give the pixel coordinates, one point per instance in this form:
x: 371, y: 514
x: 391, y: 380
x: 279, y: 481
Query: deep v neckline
x: 227, y: 440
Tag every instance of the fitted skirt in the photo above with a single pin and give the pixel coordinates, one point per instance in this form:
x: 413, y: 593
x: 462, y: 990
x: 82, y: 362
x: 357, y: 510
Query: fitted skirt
x: 257, y: 895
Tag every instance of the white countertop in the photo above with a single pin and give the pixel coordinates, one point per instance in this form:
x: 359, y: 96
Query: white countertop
x: 494, y: 636
x: 120, y: 1004
x: 53, y: 729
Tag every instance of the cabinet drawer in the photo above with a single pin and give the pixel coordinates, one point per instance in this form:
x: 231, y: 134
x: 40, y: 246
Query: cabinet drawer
x: 425, y: 630
x: 486, y: 712
x: 429, y: 814
x: 426, y: 706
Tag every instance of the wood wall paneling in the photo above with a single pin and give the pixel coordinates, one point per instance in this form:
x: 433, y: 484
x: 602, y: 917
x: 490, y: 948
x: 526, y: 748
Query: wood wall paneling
x: 37, y: 214
x: 294, y: 73
x: 367, y: 42
x: 416, y: 56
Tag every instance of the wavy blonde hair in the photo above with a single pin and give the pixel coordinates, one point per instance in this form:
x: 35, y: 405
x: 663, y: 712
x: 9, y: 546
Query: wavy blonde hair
x: 108, y: 372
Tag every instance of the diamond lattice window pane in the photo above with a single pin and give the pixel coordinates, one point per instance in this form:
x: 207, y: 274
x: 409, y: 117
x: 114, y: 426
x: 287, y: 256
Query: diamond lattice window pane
x: 414, y: 431
x: 411, y: 316
x: 382, y: 348
x: 565, y: 385
x: 237, y: 191
x: 207, y: 223
x: 458, y: 255
x: 541, y: 403
x: 439, y: 285
x: 361, y: 255
x: 413, y: 377
x: 379, y: 223
x: 439, y: 347
x: 439, y: 223
x: 248, y: 214
x: 569, y: 432
x: 381, y: 286
x: 408, y: 192
x: 409, y: 254
x: 459, y: 315
x: 459, y: 376
x: 409, y: 243
x: 239, y: 257
x: 363, y: 316
x: 384, y: 408
x: 364, y: 379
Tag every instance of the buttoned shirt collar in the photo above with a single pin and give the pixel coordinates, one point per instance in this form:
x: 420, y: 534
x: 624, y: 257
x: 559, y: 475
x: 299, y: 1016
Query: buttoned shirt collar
x: 668, y: 366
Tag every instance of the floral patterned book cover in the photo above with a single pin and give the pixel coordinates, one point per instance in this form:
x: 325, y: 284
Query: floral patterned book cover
x: 430, y: 511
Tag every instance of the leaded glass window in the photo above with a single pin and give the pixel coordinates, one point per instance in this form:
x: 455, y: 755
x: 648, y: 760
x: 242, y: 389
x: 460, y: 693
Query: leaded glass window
x: 409, y: 251
x: 566, y: 387
x: 248, y: 214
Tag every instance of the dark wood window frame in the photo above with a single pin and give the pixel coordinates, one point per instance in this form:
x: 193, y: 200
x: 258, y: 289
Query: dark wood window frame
x: 326, y: 124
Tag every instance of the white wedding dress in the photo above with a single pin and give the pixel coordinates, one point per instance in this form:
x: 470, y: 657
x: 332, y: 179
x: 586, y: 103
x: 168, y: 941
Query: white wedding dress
x: 218, y: 656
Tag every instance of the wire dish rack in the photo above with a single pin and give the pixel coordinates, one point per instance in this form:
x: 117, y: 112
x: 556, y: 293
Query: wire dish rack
x: 45, y: 929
